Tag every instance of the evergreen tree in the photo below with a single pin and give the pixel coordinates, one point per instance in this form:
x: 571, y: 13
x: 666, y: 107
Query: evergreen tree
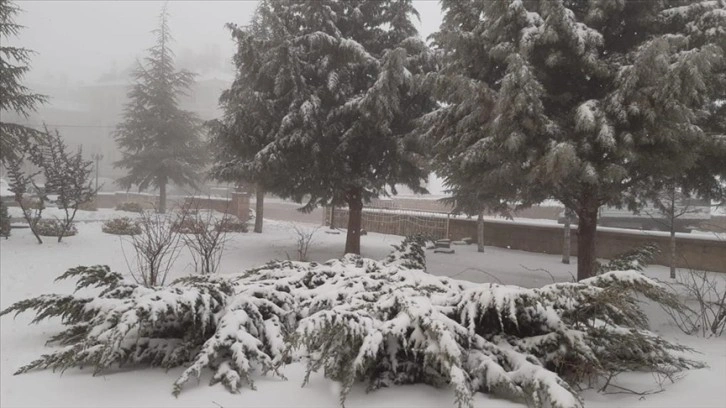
x: 350, y: 77
x: 592, y: 102
x: 255, y: 103
x: 14, y: 96
x: 159, y: 141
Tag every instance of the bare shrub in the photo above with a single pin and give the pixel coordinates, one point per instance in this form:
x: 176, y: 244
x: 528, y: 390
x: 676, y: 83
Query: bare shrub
x: 705, y: 303
x: 156, y: 248
x: 68, y: 175
x: 20, y: 185
x: 203, y: 235
x: 207, y: 242
x: 304, y: 240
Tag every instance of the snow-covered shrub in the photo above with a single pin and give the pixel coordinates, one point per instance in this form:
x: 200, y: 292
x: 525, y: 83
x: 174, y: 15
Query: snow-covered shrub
x: 130, y: 207
x: 4, y: 220
x: 88, y: 206
x: 231, y: 224
x: 52, y: 227
x: 121, y: 226
x: 360, y: 320
x: 188, y: 224
x: 636, y: 259
x: 126, y: 323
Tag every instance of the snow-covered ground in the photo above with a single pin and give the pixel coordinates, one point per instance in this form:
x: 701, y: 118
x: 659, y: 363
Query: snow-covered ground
x: 28, y: 269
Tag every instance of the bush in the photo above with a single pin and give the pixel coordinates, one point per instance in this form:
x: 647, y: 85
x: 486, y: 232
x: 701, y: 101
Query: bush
x: 188, y: 225
x: 231, y: 224
x: 88, y: 206
x: 636, y: 259
x: 121, y: 226
x: 130, y: 207
x: 54, y: 228
x: 32, y: 203
x: 387, y: 322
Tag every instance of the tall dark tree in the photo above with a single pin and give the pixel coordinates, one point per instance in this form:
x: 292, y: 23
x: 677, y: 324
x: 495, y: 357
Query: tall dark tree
x: 160, y: 142
x: 350, y: 76
x: 591, y: 102
x: 255, y: 104
x: 14, y: 96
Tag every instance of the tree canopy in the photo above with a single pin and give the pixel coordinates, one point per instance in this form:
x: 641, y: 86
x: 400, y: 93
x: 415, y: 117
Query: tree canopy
x: 14, y: 96
x: 337, y: 81
x: 589, y: 102
x: 160, y: 142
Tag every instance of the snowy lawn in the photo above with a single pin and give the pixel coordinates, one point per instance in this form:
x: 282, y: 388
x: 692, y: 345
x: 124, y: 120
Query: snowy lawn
x: 28, y: 269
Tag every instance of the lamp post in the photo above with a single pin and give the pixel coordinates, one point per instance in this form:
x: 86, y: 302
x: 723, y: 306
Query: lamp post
x: 97, y: 157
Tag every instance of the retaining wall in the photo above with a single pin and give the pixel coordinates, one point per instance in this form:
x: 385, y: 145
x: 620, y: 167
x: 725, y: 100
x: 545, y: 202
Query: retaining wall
x: 697, y: 252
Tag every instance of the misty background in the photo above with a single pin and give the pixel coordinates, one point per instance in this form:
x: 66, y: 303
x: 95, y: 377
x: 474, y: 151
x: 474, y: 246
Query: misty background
x: 85, y: 52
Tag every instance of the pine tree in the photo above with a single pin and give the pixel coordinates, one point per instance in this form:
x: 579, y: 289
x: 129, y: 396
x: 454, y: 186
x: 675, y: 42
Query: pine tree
x: 589, y: 102
x: 349, y: 76
x: 14, y: 96
x: 159, y: 141
x: 255, y: 103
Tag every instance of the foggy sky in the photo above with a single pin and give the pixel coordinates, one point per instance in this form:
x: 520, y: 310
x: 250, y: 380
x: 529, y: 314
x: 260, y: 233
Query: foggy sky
x: 78, y: 41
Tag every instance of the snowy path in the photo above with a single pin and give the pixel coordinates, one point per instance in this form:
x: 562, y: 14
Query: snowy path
x: 28, y: 269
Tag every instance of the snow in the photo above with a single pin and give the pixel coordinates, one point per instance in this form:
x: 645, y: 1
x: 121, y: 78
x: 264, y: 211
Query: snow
x: 28, y: 269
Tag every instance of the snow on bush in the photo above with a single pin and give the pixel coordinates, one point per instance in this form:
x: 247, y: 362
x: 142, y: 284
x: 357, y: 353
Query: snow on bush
x: 121, y: 226
x: 231, y: 224
x: 361, y: 320
x: 130, y: 207
x: 636, y: 259
x: 52, y: 227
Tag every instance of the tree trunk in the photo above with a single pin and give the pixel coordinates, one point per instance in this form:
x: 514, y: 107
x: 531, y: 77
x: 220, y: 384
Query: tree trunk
x: 566, y: 239
x: 355, y: 211
x: 672, y: 218
x: 480, y: 232
x: 34, y: 230
x: 162, y: 197
x: 332, y: 217
x: 259, y: 208
x: 586, y: 228
x: 673, y: 251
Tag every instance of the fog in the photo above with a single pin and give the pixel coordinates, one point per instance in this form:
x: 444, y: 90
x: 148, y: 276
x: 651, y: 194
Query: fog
x: 86, y: 49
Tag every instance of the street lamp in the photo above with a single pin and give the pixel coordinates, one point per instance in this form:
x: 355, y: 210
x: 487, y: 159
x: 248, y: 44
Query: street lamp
x: 97, y: 157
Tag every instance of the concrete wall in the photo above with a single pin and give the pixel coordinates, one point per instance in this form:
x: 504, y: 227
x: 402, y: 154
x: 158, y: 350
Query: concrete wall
x: 694, y: 252
x: 238, y: 205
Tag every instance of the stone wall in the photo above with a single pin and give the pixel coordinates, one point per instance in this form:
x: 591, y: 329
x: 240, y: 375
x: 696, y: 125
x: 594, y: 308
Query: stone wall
x: 238, y: 204
x: 697, y: 252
